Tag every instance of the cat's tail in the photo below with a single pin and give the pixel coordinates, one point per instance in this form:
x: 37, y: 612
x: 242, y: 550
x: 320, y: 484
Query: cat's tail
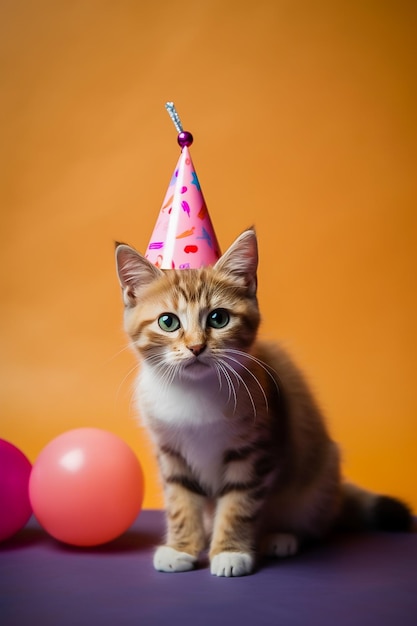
x: 365, y: 510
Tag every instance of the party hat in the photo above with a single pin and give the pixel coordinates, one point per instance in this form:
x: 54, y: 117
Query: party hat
x: 183, y: 237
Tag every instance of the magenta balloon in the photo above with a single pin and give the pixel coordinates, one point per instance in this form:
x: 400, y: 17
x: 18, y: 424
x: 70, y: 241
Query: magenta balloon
x: 15, y: 508
x: 86, y: 487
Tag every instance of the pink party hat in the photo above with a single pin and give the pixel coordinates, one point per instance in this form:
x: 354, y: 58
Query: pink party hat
x: 183, y: 237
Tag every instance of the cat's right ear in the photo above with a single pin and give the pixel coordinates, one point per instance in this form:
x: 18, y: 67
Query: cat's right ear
x: 241, y: 260
x: 134, y: 271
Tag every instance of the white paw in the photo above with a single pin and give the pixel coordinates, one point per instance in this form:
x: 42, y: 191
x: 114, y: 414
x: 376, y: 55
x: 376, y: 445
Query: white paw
x: 280, y: 545
x: 168, y: 559
x: 232, y: 564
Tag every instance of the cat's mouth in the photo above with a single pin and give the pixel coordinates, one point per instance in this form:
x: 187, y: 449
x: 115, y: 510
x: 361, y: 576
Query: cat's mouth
x: 196, y: 362
x: 196, y: 365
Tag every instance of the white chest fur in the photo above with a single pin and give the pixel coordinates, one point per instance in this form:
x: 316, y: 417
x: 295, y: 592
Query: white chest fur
x: 189, y: 418
x: 185, y: 403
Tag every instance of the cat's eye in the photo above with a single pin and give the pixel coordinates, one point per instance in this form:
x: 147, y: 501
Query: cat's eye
x: 219, y: 318
x: 169, y: 322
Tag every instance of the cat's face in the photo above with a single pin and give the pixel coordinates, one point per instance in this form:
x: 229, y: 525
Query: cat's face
x: 191, y: 323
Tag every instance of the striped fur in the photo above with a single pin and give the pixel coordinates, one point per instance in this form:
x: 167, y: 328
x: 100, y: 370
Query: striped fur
x: 245, y: 457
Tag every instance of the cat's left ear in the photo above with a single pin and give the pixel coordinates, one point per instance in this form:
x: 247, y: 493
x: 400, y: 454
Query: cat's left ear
x: 241, y: 260
x: 134, y: 271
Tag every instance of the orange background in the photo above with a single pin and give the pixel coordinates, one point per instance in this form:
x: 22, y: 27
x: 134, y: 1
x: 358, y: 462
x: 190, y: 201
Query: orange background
x: 304, y: 119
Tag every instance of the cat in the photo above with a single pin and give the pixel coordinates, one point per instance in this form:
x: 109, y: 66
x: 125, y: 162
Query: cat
x: 246, y: 460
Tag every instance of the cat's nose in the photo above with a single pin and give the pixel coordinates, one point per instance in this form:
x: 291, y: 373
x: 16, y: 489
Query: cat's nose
x: 197, y: 348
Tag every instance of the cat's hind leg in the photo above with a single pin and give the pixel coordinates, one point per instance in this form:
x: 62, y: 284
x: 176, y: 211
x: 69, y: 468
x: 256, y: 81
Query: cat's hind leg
x: 280, y: 545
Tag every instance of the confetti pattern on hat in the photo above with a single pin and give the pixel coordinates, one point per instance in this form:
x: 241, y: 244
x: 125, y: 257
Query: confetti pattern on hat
x: 183, y: 237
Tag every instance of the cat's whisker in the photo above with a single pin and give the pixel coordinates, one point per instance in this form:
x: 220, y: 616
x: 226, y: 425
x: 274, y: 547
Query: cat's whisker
x: 116, y: 354
x: 129, y: 373
x: 219, y: 377
x: 174, y: 371
x: 155, y: 357
x: 166, y: 372
x: 169, y: 372
x: 180, y: 370
x: 273, y: 374
x: 240, y: 379
x: 157, y: 360
x: 232, y: 388
x: 230, y: 385
x: 253, y: 376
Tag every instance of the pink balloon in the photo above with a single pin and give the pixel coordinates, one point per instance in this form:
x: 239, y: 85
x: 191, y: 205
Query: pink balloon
x: 15, y: 509
x: 86, y: 487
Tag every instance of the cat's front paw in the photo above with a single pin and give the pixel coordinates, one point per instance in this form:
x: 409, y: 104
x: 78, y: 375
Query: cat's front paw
x: 232, y: 564
x: 168, y: 559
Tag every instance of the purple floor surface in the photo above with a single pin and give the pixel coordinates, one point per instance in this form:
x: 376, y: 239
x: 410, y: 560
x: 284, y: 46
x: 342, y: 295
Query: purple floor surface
x: 352, y: 580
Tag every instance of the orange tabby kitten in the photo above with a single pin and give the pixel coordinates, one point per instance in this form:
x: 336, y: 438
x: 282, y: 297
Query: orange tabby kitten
x: 246, y: 460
